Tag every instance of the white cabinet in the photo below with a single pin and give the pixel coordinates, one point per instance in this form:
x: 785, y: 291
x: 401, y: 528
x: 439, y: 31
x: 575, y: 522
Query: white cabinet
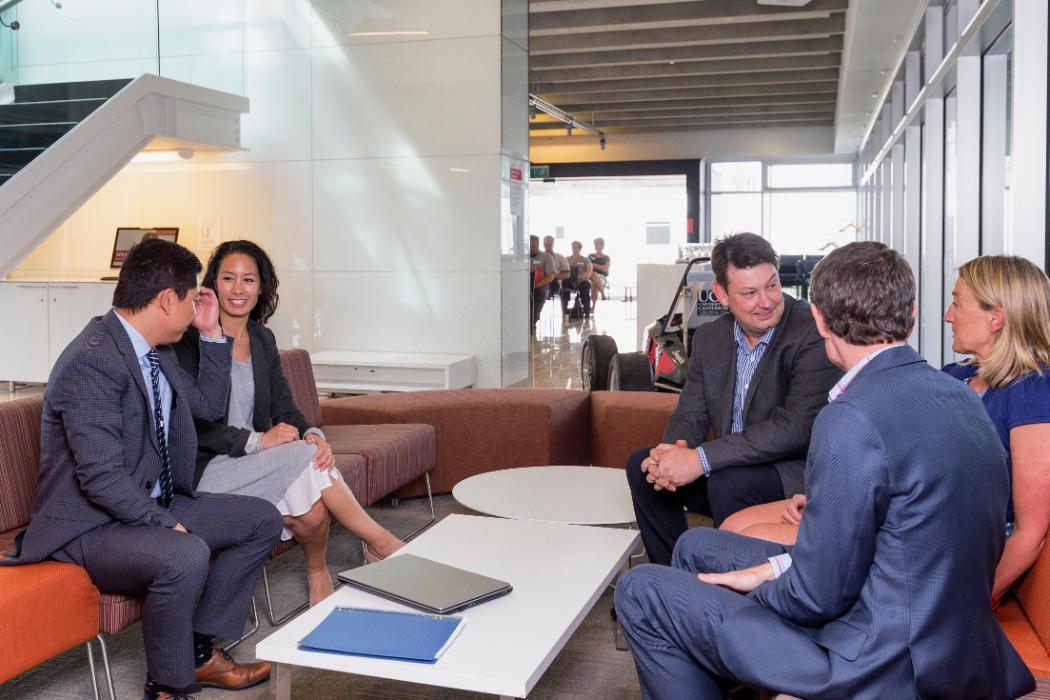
x: 23, y: 348
x: 344, y: 371
x: 71, y: 305
x: 40, y: 319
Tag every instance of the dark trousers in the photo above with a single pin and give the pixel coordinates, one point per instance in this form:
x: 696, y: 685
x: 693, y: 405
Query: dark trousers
x: 693, y: 640
x: 661, y: 514
x: 583, y: 295
x: 183, y: 594
x: 539, y: 298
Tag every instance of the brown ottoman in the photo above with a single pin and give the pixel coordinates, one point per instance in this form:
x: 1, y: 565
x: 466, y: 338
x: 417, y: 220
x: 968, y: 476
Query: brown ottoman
x: 623, y: 421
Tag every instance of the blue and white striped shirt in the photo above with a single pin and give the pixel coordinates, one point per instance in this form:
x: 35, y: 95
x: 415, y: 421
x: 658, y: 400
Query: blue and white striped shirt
x: 747, y: 359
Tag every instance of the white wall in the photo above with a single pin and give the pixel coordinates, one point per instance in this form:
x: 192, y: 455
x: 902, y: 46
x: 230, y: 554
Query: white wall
x: 375, y: 169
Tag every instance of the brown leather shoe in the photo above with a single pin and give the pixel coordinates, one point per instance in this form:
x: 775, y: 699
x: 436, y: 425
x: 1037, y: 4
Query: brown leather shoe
x: 221, y: 671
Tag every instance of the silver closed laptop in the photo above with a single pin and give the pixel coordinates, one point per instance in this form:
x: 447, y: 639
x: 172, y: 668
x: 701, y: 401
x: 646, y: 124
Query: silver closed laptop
x: 425, y: 584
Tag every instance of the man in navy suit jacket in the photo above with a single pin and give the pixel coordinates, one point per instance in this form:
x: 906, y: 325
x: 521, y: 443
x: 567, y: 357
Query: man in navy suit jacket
x: 104, y: 500
x: 887, y: 593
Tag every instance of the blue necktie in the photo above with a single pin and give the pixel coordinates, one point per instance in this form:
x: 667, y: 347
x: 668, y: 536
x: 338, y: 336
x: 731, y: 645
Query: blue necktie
x: 158, y: 421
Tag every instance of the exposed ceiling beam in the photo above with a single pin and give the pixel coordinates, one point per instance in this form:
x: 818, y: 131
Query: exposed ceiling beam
x: 611, y: 118
x: 689, y: 36
x: 675, y: 13
x: 691, y: 93
x: 818, y: 120
x: 666, y: 69
x: 692, y: 81
x: 707, y: 103
x: 762, y: 49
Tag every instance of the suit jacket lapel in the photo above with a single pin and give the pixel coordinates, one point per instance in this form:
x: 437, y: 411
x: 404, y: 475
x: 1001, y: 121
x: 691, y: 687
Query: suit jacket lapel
x: 725, y: 425
x: 260, y: 417
x: 127, y: 351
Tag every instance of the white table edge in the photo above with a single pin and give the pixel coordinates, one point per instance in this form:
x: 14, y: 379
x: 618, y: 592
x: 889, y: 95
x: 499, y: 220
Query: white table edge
x: 280, y: 681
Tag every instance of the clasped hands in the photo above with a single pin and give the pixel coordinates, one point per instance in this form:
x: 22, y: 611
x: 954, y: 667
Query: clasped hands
x: 672, y: 466
x: 282, y: 433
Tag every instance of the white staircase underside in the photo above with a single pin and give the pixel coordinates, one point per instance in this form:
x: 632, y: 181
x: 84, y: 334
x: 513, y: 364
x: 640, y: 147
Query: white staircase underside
x: 45, y: 193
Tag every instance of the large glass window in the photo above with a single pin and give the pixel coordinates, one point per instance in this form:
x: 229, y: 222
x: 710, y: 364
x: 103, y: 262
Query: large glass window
x: 783, y: 175
x: 811, y: 222
x: 642, y: 219
x: 745, y: 176
x: 800, y: 207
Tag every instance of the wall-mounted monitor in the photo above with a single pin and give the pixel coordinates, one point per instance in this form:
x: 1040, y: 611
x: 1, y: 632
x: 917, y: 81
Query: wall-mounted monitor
x: 128, y: 237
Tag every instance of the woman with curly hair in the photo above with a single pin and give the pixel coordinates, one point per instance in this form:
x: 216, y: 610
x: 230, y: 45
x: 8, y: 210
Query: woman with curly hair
x: 264, y: 446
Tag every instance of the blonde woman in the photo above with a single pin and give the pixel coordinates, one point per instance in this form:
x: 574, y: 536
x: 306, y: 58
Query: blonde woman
x: 1000, y: 316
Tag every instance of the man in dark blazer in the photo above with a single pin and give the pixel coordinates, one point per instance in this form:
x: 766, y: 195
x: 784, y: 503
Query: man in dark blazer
x: 115, y: 486
x: 887, y: 593
x: 757, y: 378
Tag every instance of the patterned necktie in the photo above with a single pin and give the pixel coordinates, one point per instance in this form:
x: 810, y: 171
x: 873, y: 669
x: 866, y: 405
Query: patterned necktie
x: 158, y: 421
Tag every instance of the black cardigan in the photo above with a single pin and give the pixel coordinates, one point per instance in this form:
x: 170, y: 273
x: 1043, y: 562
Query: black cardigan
x: 273, y: 398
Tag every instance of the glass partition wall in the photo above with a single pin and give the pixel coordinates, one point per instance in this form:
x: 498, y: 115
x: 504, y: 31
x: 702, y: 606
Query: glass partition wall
x: 124, y: 39
x: 964, y: 116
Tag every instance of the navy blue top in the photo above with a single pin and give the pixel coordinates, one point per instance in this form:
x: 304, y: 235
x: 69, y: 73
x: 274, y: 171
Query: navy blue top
x: 1023, y: 401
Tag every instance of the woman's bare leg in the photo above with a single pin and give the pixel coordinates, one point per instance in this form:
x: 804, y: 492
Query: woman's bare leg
x: 781, y: 533
x: 311, y: 532
x: 341, y: 503
x: 765, y: 513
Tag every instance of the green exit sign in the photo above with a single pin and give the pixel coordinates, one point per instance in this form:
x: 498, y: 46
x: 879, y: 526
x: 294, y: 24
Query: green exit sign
x: 539, y: 172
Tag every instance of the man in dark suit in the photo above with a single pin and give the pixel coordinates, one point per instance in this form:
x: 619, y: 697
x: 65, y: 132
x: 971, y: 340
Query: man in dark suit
x: 887, y: 593
x: 757, y: 378
x: 115, y: 492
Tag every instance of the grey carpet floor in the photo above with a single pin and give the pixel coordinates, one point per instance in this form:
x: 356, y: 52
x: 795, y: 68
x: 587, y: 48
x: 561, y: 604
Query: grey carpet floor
x: 588, y: 667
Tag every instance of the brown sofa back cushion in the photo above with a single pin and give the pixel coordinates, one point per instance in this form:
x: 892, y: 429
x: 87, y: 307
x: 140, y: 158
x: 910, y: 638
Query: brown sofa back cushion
x: 478, y: 430
x: 623, y: 421
x: 19, y: 459
x: 299, y: 372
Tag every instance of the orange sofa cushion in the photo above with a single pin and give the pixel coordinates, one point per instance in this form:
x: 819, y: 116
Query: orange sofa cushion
x: 1023, y: 637
x: 46, y: 609
x: 623, y: 421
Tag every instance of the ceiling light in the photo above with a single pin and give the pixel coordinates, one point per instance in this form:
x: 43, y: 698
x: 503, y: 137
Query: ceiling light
x: 670, y: 63
x: 785, y: 3
x: 361, y: 34
x: 458, y: 170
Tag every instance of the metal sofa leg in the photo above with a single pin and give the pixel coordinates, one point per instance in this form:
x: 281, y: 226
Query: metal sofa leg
x: 91, y: 666
x: 274, y: 620
x: 105, y: 667
x: 433, y: 515
x: 253, y: 630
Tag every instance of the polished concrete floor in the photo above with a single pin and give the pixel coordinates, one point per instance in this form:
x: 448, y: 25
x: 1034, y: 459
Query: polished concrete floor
x: 558, y: 342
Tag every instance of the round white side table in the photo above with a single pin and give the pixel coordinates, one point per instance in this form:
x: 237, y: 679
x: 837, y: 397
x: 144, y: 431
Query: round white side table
x: 557, y: 494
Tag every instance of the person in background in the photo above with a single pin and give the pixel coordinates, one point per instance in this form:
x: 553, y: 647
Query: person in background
x: 561, y: 270
x: 887, y: 593
x: 1000, y: 316
x: 262, y: 445
x: 758, y: 376
x: 541, y: 267
x: 600, y: 279
x: 582, y: 269
x: 115, y: 486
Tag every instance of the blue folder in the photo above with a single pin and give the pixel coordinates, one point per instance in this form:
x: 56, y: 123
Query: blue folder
x: 384, y: 633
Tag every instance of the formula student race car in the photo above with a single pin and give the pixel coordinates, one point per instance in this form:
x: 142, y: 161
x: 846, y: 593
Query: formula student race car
x: 664, y: 363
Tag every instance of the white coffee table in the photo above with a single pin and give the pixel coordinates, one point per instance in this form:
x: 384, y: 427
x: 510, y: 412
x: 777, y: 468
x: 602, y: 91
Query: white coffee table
x: 558, y: 572
x: 558, y: 494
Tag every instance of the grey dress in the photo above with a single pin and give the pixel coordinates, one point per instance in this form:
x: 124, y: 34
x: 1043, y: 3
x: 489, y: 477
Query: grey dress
x: 283, y: 475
